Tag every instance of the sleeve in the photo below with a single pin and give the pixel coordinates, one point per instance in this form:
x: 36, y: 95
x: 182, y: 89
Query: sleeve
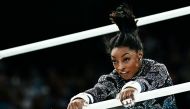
x: 105, y: 88
x: 133, y: 84
x: 156, y: 78
x: 85, y: 96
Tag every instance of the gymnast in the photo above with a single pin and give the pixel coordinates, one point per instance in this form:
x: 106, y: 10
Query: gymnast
x: 132, y: 74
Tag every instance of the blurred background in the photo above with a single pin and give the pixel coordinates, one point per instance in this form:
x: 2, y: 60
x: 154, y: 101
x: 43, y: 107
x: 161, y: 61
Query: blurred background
x: 48, y: 78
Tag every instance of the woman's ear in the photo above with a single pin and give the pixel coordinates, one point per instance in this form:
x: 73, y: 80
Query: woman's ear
x: 140, y: 54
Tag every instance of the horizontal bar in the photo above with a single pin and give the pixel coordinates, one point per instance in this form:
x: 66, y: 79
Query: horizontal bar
x: 171, y: 90
x: 90, y: 33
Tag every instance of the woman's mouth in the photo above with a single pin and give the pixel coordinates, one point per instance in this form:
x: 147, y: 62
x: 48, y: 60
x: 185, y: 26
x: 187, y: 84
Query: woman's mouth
x: 123, y: 73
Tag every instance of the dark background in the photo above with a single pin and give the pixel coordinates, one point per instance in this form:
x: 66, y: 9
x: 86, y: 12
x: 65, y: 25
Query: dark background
x: 48, y: 78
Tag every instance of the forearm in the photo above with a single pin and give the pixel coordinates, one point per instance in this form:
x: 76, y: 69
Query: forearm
x: 104, y: 89
x: 102, y: 92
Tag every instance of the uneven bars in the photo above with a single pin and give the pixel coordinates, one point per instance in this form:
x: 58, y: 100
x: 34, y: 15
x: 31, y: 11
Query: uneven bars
x: 175, y: 89
x: 91, y: 33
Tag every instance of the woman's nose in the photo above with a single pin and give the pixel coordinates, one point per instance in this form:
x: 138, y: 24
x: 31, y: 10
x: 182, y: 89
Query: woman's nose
x: 121, y: 67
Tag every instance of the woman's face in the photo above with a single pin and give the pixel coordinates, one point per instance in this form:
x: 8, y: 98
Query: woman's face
x: 126, y: 61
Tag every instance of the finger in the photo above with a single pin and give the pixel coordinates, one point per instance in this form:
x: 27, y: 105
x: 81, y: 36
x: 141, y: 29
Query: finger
x: 128, y: 95
x: 68, y: 107
x: 131, y: 103
x: 131, y: 95
x: 79, y: 105
x: 128, y: 103
x: 71, y: 106
x: 74, y: 105
x: 125, y: 95
x: 121, y: 96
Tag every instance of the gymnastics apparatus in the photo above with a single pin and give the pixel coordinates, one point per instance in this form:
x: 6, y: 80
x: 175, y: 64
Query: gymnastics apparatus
x: 175, y: 89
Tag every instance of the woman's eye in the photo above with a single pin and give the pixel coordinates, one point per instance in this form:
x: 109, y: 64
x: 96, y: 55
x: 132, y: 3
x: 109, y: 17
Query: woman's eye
x: 126, y: 59
x: 113, y: 61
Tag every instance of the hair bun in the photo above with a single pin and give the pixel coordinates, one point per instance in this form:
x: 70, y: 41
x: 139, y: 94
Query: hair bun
x: 124, y: 18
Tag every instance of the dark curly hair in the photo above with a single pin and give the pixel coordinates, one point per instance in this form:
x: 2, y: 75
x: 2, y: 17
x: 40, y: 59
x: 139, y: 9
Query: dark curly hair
x: 128, y: 35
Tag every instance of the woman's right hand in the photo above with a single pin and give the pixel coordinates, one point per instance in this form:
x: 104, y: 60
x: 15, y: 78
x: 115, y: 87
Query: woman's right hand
x: 76, y: 104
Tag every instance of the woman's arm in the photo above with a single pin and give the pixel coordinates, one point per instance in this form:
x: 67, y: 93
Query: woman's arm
x: 105, y: 88
x: 156, y: 78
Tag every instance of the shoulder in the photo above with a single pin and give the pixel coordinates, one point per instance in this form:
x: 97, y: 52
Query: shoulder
x: 154, y: 66
x: 109, y: 77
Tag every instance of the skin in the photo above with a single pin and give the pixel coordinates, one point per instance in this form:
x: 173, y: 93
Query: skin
x: 127, y: 63
x: 76, y: 104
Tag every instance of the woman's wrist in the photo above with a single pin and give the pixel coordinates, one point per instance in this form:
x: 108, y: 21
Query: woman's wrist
x: 85, y: 96
x: 132, y: 84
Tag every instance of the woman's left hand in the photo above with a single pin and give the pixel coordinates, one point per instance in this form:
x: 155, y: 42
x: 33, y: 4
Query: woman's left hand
x: 126, y: 96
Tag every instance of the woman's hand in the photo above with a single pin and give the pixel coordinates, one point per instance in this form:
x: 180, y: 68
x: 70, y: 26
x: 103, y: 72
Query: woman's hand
x: 126, y: 96
x: 76, y: 104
